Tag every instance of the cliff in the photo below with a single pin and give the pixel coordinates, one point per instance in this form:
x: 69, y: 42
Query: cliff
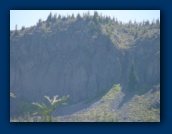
x: 80, y: 58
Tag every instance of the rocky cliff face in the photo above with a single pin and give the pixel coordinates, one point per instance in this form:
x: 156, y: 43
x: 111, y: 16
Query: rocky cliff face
x: 145, y: 54
x: 77, y: 61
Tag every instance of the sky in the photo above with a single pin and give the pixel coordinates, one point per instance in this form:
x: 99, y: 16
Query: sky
x: 29, y: 18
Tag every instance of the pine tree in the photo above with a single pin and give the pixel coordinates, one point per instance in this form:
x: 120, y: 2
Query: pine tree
x: 23, y: 28
x: 73, y: 17
x: 132, y: 79
x: 78, y: 16
x: 16, y: 31
x: 157, y: 23
x: 49, y: 18
x: 54, y: 18
x: 96, y: 17
x: 39, y: 22
x: 16, y: 27
x: 59, y: 17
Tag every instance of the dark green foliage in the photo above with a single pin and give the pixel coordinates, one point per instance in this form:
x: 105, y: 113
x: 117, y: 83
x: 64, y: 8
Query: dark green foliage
x: 95, y: 28
x: 48, y: 24
x: 64, y: 18
x: 92, y: 26
x: 23, y: 28
x: 87, y: 16
x: 39, y: 22
x: 16, y: 33
x: 59, y: 17
x: 49, y: 18
x: 143, y: 90
x: 55, y: 16
x: 78, y: 16
x: 157, y: 22
x: 147, y: 23
x: 96, y: 15
x: 132, y: 79
x: 73, y: 17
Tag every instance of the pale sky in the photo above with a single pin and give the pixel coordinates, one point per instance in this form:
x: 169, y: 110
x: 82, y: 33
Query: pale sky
x: 29, y: 18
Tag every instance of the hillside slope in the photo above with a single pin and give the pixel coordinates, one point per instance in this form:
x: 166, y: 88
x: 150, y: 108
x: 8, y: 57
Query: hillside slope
x: 139, y: 108
x: 82, y: 57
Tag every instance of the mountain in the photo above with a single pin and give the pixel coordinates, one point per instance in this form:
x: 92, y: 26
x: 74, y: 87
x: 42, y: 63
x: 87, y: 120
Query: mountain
x: 82, y: 57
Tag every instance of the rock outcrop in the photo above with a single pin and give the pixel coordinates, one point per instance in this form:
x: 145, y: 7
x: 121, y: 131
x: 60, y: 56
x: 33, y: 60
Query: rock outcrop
x: 78, y: 62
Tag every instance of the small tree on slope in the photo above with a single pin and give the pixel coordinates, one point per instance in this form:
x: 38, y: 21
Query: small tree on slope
x: 45, y: 110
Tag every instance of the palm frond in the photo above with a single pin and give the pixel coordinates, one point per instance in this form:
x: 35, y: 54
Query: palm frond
x: 38, y: 105
x: 48, y: 98
x: 12, y: 95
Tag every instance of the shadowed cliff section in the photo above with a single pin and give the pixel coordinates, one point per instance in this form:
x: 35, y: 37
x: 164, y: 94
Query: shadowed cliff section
x: 64, y: 63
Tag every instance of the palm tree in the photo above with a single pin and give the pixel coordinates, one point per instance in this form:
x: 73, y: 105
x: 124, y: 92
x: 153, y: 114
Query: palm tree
x: 46, y: 111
